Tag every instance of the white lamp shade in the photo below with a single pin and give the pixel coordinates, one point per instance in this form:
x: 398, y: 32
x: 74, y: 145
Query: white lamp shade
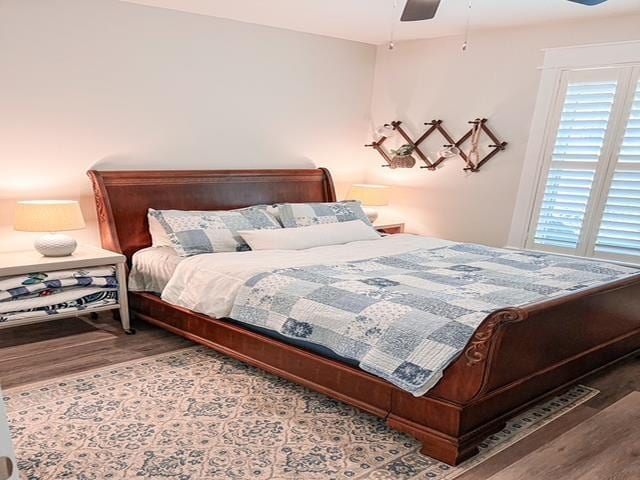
x: 48, y: 216
x: 370, y: 195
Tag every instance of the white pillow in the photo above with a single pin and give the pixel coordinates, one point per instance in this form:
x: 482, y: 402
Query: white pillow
x: 159, y: 237
x: 299, y: 238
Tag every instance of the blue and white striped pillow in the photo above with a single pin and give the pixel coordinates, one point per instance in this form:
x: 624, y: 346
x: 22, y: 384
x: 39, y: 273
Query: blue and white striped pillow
x: 193, y: 233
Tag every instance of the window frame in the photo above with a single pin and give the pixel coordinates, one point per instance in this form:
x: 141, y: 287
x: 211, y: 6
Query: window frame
x: 603, y: 169
x: 624, y: 114
x: 556, y: 70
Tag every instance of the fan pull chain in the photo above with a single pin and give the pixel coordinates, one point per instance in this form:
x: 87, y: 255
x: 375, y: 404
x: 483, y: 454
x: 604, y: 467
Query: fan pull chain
x: 465, y: 45
x: 392, y: 28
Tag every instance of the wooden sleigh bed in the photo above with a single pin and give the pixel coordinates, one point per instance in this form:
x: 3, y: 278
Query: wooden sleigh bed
x: 517, y: 356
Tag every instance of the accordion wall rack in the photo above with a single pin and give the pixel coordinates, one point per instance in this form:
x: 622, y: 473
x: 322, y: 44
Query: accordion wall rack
x: 453, y: 148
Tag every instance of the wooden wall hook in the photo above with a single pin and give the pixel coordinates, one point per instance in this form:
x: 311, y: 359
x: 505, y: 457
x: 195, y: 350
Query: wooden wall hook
x: 436, y: 126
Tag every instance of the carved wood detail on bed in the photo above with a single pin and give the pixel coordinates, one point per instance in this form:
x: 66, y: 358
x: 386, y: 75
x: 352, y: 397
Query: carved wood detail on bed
x: 517, y: 356
x: 476, y: 351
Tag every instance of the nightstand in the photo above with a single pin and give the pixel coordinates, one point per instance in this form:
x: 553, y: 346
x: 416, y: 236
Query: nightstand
x: 31, y: 262
x: 390, y: 228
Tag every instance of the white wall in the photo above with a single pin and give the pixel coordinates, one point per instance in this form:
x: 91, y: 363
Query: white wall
x: 108, y: 84
x: 497, y: 78
x: 113, y: 85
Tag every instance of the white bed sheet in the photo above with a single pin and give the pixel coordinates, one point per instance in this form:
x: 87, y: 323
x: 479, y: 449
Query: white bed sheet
x: 152, y: 268
x: 209, y: 283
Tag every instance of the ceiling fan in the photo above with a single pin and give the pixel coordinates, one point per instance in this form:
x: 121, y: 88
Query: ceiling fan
x: 416, y: 10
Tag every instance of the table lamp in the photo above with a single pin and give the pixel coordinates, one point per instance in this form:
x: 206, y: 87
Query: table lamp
x: 370, y: 196
x: 50, y: 216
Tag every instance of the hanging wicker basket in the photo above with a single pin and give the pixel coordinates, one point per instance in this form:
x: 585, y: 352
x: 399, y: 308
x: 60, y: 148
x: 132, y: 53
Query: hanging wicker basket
x: 402, y: 161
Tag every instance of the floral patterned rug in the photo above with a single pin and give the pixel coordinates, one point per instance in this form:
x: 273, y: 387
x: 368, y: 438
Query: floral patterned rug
x: 195, y: 414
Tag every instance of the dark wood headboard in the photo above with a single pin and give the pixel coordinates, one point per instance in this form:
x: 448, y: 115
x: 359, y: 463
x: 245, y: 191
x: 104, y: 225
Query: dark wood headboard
x: 123, y: 197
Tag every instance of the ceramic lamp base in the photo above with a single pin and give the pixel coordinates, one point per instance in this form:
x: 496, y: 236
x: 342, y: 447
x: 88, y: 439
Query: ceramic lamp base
x: 371, y: 213
x: 55, y: 245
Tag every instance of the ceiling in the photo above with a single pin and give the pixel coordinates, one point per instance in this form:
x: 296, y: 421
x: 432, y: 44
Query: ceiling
x: 370, y: 20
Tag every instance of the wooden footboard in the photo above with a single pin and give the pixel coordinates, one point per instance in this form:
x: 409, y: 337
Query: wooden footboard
x: 515, y: 359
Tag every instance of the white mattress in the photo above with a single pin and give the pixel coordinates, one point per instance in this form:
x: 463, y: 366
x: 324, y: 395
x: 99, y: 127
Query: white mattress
x: 209, y: 283
x: 152, y: 268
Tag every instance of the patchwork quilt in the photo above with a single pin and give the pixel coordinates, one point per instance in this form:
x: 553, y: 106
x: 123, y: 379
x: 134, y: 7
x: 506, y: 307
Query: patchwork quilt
x: 406, y: 317
x: 41, y: 294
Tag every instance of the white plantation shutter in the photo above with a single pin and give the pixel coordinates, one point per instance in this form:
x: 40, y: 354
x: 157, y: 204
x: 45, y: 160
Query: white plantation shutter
x: 588, y: 199
x: 619, y: 231
x: 576, y: 153
x: 563, y: 208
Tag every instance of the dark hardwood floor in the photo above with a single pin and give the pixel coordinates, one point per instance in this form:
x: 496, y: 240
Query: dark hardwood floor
x: 33, y: 353
x: 48, y: 350
x: 605, y: 446
x: 614, y: 384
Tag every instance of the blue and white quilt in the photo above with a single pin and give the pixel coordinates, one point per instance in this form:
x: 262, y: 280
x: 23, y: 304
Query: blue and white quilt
x: 406, y: 317
x: 46, y: 293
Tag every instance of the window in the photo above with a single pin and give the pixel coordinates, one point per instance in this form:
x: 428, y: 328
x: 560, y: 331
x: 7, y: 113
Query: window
x: 588, y: 199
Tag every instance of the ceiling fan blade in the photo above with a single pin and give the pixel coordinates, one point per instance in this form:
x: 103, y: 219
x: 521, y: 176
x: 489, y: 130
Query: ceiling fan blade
x: 588, y: 2
x: 416, y: 10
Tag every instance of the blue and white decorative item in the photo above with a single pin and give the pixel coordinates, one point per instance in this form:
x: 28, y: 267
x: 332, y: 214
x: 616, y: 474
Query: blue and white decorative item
x: 51, y: 216
x: 193, y: 233
x: 294, y: 215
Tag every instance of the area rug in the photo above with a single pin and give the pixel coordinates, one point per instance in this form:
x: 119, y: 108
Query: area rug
x: 195, y: 414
